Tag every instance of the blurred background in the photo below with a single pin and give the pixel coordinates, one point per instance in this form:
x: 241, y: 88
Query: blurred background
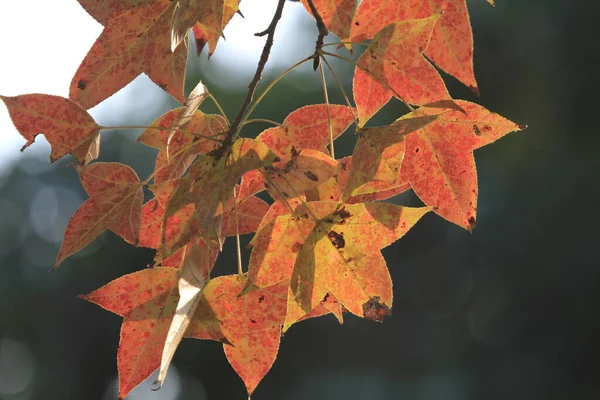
x: 507, y: 312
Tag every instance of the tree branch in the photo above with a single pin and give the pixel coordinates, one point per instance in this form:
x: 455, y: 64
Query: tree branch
x: 264, y: 57
x: 323, y: 31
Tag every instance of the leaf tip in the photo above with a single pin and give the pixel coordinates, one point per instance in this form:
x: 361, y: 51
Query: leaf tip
x: 375, y: 310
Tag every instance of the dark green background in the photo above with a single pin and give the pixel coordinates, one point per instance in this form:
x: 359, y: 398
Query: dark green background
x: 508, y: 312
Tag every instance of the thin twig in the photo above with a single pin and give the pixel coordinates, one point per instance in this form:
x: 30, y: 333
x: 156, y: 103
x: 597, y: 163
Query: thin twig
x: 331, y: 150
x: 323, y: 31
x: 264, y: 57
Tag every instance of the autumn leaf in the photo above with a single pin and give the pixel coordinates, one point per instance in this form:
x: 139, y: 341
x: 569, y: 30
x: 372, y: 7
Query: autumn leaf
x: 394, y: 64
x: 339, y: 253
x: 203, y: 34
x: 438, y: 159
x: 181, y: 229
x: 133, y: 41
x: 115, y: 203
x: 67, y: 127
x: 251, y: 323
x: 147, y: 301
x: 306, y: 128
x: 451, y: 44
x: 208, y: 13
x: 378, y: 155
x: 336, y: 14
x: 211, y: 180
x: 193, y: 275
x: 174, y: 158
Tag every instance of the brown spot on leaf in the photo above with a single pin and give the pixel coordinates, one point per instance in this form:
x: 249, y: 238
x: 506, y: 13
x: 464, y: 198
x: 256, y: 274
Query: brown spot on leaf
x: 261, y: 299
x: 337, y: 239
x: 296, y: 247
x: 81, y: 84
x: 343, y: 214
x: 471, y: 221
x: 375, y: 310
x: 476, y: 130
x: 252, y: 320
x: 311, y: 176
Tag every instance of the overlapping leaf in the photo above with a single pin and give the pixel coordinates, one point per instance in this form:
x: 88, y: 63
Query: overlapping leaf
x: 173, y: 160
x: 211, y: 179
x: 306, y: 128
x: 133, y: 41
x: 394, y: 64
x: 336, y: 14
x: 451, y: 45
x: 67, y: 127
x: 181, y: 228
x: 251, y: 323
x: 378, y: 155
x: 115, y: 203
x: 147, y: 301
x: 438, y: 160
x: 338, y: 254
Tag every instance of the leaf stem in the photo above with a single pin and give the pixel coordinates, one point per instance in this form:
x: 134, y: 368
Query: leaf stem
x: 237, y: 234
x: 161, y: 128
x: 339, y: 82
x: 268, y: 121
x: 264, y: 57
x: 214, y: 100
x: 376, y: 76
x: 270, y: 86
x: 331, y: 148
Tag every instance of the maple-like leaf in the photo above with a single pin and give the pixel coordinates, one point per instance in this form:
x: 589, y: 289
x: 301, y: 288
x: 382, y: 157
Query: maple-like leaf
x: 182, y: 229
x: 378, y: 155
x: 336, y: 14
x: 133, y: 41
x: 339, y: 253
x: 251, y: 323
x: 176, y: 156
x: 394, y: 64
x: 147, y: 300
x: 67, y: 127
x: 205, y: 34
x: 451, y: 45
x: 438, y: 159
x: 115, y: 203
x: 211, y: 180
x: 306, y: 128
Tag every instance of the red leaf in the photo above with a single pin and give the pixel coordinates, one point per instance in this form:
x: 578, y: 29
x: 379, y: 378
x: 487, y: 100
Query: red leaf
x: 438, y: 160
x: 251, y: 323
x: 336, y: 14
x: 451, y: 46
x: 115, y: 203
x: 67, y: 127
x: 395, y: 64
x: 134, y: 41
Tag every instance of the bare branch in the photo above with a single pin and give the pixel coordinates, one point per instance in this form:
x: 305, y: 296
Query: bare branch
x: 264, y: 57
x: 323, y: 31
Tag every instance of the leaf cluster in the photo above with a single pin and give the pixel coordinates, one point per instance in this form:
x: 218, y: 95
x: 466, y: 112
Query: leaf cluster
x: 316, y: 248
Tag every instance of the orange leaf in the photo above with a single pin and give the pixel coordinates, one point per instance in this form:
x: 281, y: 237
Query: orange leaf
x: 211, y: 180
x: 67, y: 127
x: 451, y: 46
x: 438, y: 160
x: 205, y: 35
x: 251, y: 323
x: 133, y: 41
x: 394, y: 63
x: 184, y: 146
x: 337, y: 254
x: 115, y: 203
x: 147, y: 300
x: 336, y: 14
x: 378, y: 155
x: 304, y: 170
x: 303, y: 129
